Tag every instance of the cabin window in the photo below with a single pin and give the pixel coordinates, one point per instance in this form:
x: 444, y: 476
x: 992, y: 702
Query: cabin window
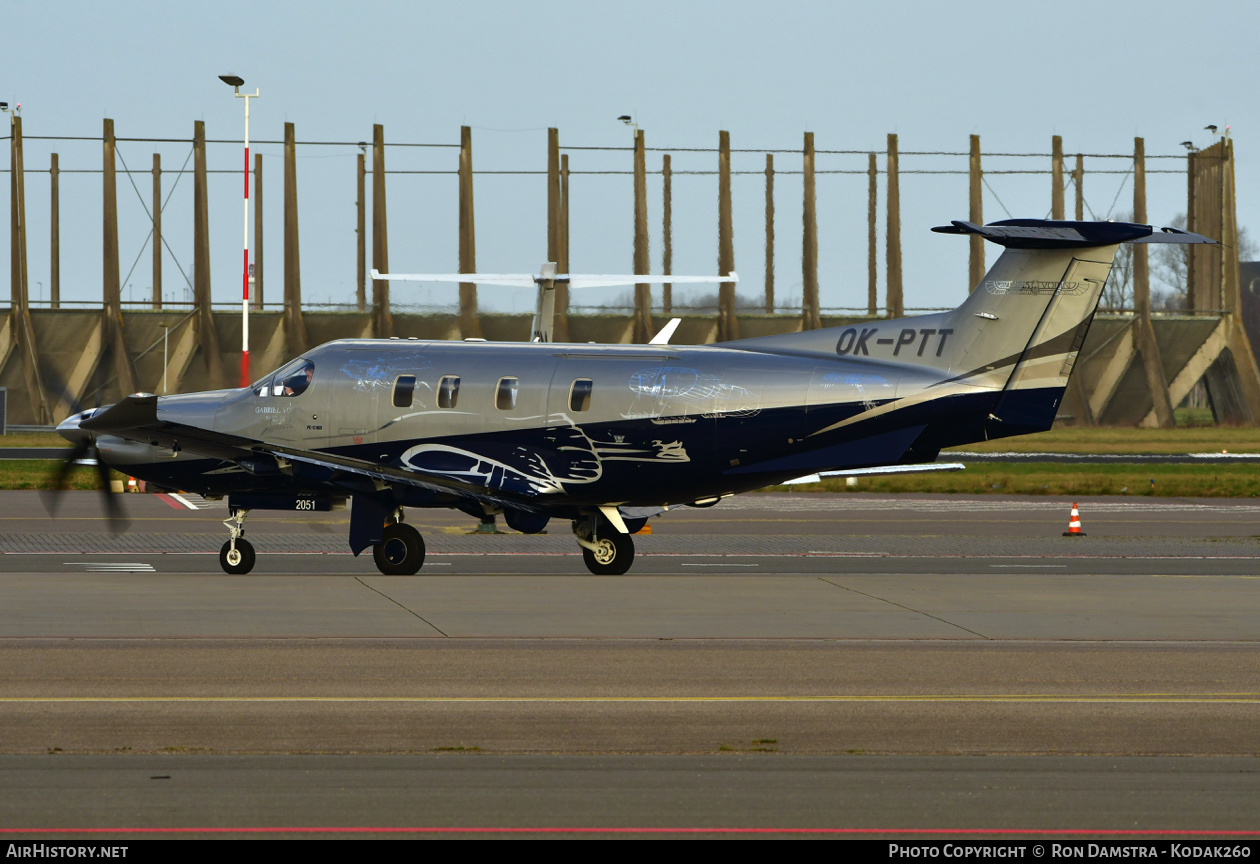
x: 580, y: 395
x: 404, y: 387
x: 448, y: 391
x: 505, y: 394
x: 292, y: 380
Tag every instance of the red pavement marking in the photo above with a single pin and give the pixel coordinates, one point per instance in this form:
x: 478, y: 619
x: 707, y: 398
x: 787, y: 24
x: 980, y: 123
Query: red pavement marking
x: 358, y: 829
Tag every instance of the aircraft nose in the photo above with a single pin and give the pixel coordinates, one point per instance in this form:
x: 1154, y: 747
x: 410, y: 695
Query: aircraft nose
x: 69, y: 428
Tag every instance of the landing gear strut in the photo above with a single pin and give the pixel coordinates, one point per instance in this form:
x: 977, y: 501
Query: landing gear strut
x: 605, y: 550
x: 401, y: 550
x: 237, y: 555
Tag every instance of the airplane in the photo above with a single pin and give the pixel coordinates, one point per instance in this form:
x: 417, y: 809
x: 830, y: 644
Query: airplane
x: 607, y: 436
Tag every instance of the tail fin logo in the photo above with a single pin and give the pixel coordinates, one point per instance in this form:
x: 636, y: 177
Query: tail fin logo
x: 1041, y: 287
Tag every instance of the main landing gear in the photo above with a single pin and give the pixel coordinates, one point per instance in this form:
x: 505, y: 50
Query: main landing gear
x: 237, y: 555
x: 605, y: 550
x: 401, y: 550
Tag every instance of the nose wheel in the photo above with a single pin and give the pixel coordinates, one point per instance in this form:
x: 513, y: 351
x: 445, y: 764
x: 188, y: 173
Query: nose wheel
x: 400, y: 552
x: 237, y: 555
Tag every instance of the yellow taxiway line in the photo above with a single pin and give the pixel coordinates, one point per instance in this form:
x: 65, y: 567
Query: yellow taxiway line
x: 1133, y: 698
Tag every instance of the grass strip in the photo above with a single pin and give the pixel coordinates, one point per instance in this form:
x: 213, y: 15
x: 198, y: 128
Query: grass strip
x: 1080, y: 439
x: 33, y: 439
x: 40, y: 473
x: 1048, y: 478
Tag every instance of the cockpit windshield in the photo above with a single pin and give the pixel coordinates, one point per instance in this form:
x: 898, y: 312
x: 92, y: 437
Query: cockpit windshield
x: 291, y: 380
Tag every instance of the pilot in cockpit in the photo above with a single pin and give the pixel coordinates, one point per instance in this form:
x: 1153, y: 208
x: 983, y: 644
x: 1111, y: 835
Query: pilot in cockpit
x: 297, y: 383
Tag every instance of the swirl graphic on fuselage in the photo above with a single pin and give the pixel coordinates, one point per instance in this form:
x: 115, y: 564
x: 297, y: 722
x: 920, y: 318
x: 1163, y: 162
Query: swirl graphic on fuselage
x: 573, y: 459
x: 377, y: 372
x: 861, y: 382
x: 679, y: 391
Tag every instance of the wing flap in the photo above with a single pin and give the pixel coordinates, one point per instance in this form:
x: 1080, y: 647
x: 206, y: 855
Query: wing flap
x: 881, y: 470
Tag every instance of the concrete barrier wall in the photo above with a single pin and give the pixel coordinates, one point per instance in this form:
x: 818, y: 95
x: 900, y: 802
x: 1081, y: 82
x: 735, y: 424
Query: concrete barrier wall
x: 78, y: 371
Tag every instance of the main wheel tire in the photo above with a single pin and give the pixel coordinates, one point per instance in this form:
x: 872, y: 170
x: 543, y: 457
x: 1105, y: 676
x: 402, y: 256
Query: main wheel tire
x: 614, y: 556
x: 400, y: 552
x: 237, y: 562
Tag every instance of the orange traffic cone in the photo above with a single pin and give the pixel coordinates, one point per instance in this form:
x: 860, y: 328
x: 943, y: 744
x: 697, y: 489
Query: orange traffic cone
x: 131, y: 484
x: 1074, y: 525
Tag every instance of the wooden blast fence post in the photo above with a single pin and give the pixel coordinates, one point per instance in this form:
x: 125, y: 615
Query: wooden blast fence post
x: 21, y: 330
x: 207, y: 335
x: 642, y: 260
x: 157, y: 230
x: 667, y: 251
x: 1078, y: 180
x: 769, y: 233
x: 872, y: 237
x: 295, y: 326
x: 360, y: 292
x: 54, y: 274
x: 728, y: 324
x: 896, y: 308
x: 469, y: 320
x: 382, y: 320
x: 975, y: 213
x: 560, y: 317
x: 1141, y: 263
x: 109, y: 224
x: 810, y: 313
x: 1056, y: 177
x: 112, y: 330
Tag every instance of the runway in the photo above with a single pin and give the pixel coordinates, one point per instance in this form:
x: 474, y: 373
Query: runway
x: 777, y: 661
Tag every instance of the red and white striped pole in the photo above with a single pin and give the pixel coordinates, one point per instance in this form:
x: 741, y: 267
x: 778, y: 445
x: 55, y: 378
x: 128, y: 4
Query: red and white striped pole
x: 236, y: 83
x: 245, y: 267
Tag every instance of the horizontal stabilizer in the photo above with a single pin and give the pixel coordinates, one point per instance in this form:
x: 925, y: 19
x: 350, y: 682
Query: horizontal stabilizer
x: 528, y: 280
x: 1057, y: 234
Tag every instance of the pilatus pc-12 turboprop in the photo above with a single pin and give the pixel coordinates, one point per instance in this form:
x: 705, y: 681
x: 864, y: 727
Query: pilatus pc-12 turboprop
x: 607, y: 435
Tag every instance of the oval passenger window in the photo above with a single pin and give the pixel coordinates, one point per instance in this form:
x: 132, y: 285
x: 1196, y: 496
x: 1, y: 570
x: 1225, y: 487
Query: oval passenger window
x: 404, y: 388
x: 448, y: 391
x: 580, y: 395
x: 505, y: 394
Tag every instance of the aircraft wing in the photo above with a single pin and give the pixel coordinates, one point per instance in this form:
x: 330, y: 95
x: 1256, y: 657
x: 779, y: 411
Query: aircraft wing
x: 135, y: 418
x: 510, y: 280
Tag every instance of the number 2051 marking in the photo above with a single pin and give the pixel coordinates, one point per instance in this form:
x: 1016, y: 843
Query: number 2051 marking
x: 304, y: 504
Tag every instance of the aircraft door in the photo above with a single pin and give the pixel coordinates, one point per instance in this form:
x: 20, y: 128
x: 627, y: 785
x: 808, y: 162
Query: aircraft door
x: 379, y: 393
x: 310, y: 387
x: 521, y: 397
x: 572, y: 393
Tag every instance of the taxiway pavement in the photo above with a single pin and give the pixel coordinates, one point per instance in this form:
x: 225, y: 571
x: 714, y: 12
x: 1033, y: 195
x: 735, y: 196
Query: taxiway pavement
x: 897, y: 661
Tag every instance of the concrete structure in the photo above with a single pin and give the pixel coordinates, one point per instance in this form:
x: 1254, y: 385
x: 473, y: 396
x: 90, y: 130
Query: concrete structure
x: 1135, y: 367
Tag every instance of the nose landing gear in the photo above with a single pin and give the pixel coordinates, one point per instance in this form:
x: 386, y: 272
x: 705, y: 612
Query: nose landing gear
x: 237, y: 555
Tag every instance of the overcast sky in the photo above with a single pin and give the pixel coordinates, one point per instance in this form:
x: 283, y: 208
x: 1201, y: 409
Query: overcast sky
x: 933, y: 72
